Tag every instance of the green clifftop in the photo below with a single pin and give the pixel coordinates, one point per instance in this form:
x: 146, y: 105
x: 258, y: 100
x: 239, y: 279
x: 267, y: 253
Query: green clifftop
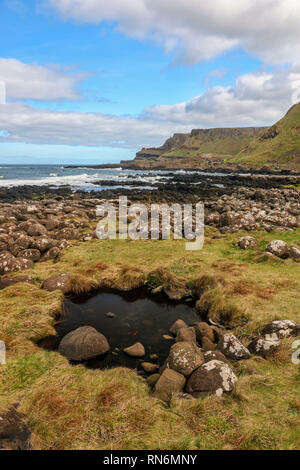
x: 278, y: 144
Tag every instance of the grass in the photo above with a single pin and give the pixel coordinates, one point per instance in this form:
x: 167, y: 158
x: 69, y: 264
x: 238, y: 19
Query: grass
x: 71, y: 407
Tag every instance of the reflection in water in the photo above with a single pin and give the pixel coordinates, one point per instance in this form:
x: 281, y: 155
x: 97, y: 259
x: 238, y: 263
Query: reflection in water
x: 138, y: 318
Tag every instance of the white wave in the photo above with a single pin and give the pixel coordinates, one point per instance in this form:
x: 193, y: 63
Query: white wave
x: 74, y: 180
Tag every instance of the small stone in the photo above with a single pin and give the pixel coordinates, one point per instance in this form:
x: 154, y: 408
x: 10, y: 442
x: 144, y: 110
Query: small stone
x: 232, y: 348
x: 176, y: 326
x: 264, y: 347
x: 204, y: 330
x: 186, y: 334
x: 149, y: 367
x: 246, y: 242
x: 168, y: 337
x: 278, y: 248
x: 213, y: 377
x: 184, y: 357
x: 153, y: 357
x: 136, y: 350
x: 110, y: 315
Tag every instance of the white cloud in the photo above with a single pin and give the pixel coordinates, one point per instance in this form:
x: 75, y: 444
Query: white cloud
x: 256, y: 99
x: 198, y: 30
x: 32, y: 81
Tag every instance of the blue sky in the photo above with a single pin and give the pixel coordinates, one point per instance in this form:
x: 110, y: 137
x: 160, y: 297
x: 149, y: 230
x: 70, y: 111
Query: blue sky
x: 135, y: 84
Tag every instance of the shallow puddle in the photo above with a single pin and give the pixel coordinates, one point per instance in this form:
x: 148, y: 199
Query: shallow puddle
x: 139, y: 317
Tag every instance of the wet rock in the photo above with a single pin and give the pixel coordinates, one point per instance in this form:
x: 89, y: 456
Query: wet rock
x: 280, y: 329
x: 214, y: 356
x: 232, y: 348
x: 177, y: 325
x: 83, y: 343
x: 14, y: 434
x: 149, y: 367
x: 136, y: 350
x: 60, y: 281
x: 110, y: 315
x: 213, y: 377
x: 169, y: 383
x: 264, y: 347
x: 204, y: 330
x: 246, y: 242
x: 187, y: 334
x: 176, y: 294
x: 184, y: 358
x: 278, y: 248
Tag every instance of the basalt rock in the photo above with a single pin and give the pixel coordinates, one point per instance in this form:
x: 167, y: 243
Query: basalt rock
x: 184, y: 357
x: 84, y: 343
x: 60, y: 281
x: 232, y: 348
x: 169, y: 383
x: 213, y: 377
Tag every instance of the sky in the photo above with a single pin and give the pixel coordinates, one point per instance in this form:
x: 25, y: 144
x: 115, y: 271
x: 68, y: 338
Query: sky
x: 92, y: 81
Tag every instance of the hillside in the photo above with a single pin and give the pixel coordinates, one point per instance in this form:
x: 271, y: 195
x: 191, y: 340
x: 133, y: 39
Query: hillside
x: 278, y: 144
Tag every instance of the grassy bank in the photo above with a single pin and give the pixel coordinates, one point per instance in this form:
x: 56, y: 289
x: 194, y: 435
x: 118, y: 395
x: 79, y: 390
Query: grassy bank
x: 70, y: 407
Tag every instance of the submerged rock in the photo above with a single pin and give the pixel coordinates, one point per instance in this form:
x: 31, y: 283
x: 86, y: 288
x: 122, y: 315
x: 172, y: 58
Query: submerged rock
x: 213, y: 377
x: 136, y: 350
x: 84, y: 343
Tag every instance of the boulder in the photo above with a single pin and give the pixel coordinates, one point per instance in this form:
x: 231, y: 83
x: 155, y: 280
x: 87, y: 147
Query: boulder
x: 177, y: 325
x: 51, y: 254
x: 83, y: 343
x: 232, y: 348
x: 278, y: 248
x: 246, y: 242
x: 136, y: 350
x: 214, y: 356
x: 169, y: 383
x: 186, y: 334
x: 14, y: 434
x: 184, y: 358
x: 10, y: 264
x: 36, y: 229
x: 295, y: 253
x: 60, y: 281
x: 264, y: 347
x: 204, y: 330
x: 43, y: 243
x: 207, y: 345
x: 10, y: 281
x: 213, y: 377
x: 280, y: 329
x: 30, y: 253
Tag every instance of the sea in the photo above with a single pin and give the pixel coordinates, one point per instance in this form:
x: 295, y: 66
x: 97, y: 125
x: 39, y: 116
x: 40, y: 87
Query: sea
x: 83, y: 178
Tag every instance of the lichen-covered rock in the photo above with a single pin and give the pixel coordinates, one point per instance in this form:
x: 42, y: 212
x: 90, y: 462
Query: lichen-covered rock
x: 30, y: 253
x: 264, y: 347
x: 43, y: 244
x: 186, y: 334
x: 11, y: 264
x: 295, y: 253
x: 204, y: 330
x: 136, y: 350
x: 214, y: 356
x: 60, y: 281
x: 232, y: 348
x: 83, y: 343
x: 278, y: 248
x: 184, y: 357
x: 246, y: 242
x: 51, y: 254
x: 280, y: 329
x: 213, y: 377
x: 169, y: 383
x: 177, y: 325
